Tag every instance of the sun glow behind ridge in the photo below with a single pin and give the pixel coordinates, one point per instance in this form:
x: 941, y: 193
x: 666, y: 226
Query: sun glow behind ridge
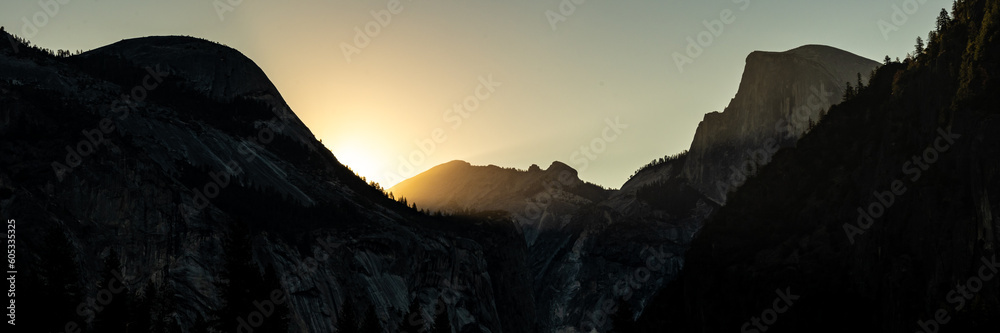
x: 358, y: 157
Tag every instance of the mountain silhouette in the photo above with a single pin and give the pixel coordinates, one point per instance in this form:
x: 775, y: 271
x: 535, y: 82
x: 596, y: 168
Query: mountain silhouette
x: 653, y: 217
x: 174, y: 163
x: 878, y: 220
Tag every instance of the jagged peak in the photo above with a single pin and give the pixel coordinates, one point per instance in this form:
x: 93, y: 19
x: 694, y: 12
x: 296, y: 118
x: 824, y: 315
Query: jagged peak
x: 557, y: 166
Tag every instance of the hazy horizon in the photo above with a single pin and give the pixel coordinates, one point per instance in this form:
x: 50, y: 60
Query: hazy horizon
x: 556, y: 84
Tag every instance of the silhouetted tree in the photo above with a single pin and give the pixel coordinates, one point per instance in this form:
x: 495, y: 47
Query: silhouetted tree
x: 848, y: 92
x: 943, y: 20
x: 919, y: 47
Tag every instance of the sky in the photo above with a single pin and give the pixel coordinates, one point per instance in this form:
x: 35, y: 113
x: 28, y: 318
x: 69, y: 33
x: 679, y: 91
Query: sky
x: 395, y: 87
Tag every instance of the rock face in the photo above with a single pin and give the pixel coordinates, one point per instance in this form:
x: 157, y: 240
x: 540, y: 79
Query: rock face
x: 147, y: 154
x: 583, y: 253
x: 882, y: 218
x: 536, y: 199
x: 150, y: 154
x: 780, y: 96
x: 590, y: 252
x: 458, y: 186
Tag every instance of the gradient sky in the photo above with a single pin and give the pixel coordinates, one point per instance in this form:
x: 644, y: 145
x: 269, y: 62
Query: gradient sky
x: 607, y: 60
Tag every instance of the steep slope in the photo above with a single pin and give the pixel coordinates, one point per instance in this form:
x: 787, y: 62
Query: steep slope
x: 152, y: 160
x: 581, y: 256
x: 882, y: 218
x: 625, y: 245
x: 780, y: 95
